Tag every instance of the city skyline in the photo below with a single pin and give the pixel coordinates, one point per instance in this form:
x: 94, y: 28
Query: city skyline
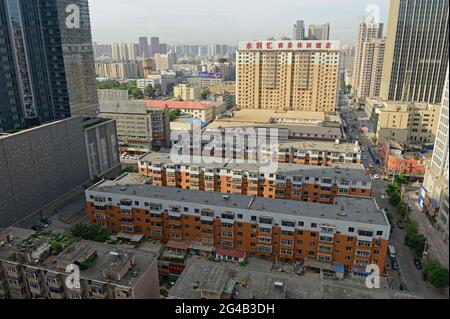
x: 227, y: 25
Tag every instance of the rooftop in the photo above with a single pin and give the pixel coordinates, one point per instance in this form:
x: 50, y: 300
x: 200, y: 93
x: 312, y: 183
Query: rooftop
x: 158, y: 104
x: 321, y: 146
x: 102, y: 258
x: 353, y: 209
x: 342, y: 171
x: 270, y: 116
x: 260, y: 284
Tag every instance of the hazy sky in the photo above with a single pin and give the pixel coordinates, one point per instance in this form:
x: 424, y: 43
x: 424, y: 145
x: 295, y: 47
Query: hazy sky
x: 223, y: 21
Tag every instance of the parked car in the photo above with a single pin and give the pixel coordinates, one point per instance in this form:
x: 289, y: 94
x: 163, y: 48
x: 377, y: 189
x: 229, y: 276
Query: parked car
x: 400, y: 224
x: 392, y: 252
x: 418, y: 264
x: 376, y: 176
x: 395, y: 264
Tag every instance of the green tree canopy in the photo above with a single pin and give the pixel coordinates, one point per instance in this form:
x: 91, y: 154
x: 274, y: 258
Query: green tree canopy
x: 174, y: 115
x: 400, y: 180
x: 92, y: 232
x: 150, y: 91
x: 436, y: 273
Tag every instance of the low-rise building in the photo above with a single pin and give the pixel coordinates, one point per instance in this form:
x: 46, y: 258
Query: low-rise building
x: 223, y: 96
x: 354, y: 231
x: 290, y: 124
x: 164, y: 80
x: 33, y: 269
x: 140, y: 129
x: 408, y: 122
x: 187, y: 92
x: 291, y: 181
x: 205, y: 111
x: 398, y: 161
x: 210, y: 280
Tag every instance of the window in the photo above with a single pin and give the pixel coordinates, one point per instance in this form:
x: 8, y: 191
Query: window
x: 351, y: 230
x: 380, y: 233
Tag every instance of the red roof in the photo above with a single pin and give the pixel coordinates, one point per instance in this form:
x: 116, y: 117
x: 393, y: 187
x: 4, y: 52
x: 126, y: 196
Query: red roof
x: 232, y: 253
x: 182, y: 105
x: 177, y: 245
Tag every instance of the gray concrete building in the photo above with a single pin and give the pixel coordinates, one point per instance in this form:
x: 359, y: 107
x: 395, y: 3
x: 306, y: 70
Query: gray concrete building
x: 40, y: 165
x: 102, y: 147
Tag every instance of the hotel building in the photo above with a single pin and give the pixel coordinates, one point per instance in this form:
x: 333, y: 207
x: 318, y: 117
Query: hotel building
x: 288, y: 75
x: 354, y: 231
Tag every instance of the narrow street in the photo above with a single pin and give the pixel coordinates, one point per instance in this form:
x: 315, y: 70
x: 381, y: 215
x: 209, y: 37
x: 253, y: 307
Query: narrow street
x: 408, y: 277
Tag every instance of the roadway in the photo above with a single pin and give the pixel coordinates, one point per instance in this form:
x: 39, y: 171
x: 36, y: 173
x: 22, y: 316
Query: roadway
x: 408, y: 277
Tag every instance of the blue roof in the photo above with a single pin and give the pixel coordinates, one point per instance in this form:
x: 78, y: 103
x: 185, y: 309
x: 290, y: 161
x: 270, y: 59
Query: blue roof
x: 358, y: 271
x: 340, y: 268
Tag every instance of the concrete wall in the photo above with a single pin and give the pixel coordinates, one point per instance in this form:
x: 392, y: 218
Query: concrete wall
x: 40, y: 165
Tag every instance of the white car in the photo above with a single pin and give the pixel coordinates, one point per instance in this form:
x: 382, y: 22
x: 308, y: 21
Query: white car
x: 376, y: 176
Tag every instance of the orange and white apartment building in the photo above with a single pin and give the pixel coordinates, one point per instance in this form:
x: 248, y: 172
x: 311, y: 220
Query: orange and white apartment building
x: 291, y: 181
x: 353, y: 231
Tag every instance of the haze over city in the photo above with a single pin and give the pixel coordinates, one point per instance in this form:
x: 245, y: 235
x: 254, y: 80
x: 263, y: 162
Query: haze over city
x: 234, y: 150
x: 194, y: 22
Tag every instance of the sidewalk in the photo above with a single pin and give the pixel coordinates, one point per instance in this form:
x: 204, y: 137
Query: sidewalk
x: 438, y: 247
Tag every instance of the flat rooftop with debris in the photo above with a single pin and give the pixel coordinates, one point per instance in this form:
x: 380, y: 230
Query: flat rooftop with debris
x: 353, y: 209
x: 259, y: 284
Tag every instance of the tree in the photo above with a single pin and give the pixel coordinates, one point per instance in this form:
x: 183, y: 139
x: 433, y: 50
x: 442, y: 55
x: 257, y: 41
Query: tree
x: 411, y: 228
x: 150, y: 91
x: 436, y: 273
x: 174, y: 114
x: 205, y: 94
x: 393, y: 192
x: 414, y: 239
x: 91, y: 232
x: 129, y: 169
x: 133, y: 91
x: 402, y: 209
x: 374, y: 139
x: 400, y: 180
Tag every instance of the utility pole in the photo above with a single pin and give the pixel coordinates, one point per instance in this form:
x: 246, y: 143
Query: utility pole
x: 425, y: 253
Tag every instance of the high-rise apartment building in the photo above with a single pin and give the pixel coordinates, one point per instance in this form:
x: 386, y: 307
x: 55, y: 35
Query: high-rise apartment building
x: 143, y: 47
x: 435, y: 187
x: 299, y: 30
x: 47, y: 66
x: 133, y: 51
x: 369, y: 54
x: 416, y: 56
x: 319, y: 32
x: 154, y: 46
x: 164, y: 62
x: 290, y: 75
